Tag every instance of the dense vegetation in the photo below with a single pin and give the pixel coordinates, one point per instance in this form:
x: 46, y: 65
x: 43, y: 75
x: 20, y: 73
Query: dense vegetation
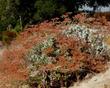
x: 49, y: 56
x: 15, y: 14
x: 55, y: 53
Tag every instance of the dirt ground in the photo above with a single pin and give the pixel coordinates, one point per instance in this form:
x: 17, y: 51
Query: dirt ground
x: 101, y: 80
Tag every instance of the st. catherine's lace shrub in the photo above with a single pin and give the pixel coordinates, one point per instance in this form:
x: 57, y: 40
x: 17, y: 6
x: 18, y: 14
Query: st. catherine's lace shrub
x: 39, y: 53
x: 89, y: 36
x: 36, y: 55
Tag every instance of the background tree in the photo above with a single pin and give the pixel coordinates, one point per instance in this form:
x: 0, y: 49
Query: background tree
x: 25, y: 10
x: 45, y: 9
x: 7, y: 13
x: 73, y: 5
x: 12, y: 12
x: 17, y: 12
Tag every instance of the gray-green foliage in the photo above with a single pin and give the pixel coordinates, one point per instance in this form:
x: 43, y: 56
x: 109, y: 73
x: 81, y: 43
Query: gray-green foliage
x: 89, y: 36
x: 36, y: 54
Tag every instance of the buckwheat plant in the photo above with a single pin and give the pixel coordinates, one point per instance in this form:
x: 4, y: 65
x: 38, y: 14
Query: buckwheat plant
x: 89, y: 36
x: 36, y: 55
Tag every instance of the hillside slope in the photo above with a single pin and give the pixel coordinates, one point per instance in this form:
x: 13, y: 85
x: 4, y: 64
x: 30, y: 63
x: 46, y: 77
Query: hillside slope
x: 56, y: 54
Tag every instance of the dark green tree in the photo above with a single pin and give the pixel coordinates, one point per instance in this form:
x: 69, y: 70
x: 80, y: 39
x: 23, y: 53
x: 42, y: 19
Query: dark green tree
x: 28, y: 11
x: 45, y: 9
x: 73, y: 5
x: 25, y: 10
x: 7, y: 13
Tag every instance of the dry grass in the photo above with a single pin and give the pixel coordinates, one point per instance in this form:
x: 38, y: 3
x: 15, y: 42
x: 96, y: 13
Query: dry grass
x: 107, y: 40
x: 106, y: 14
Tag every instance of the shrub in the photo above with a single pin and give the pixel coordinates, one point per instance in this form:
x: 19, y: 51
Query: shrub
x: 36, y: 54
x: 7, y: 36
x: 91, y: 37
x: 59, y: 61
